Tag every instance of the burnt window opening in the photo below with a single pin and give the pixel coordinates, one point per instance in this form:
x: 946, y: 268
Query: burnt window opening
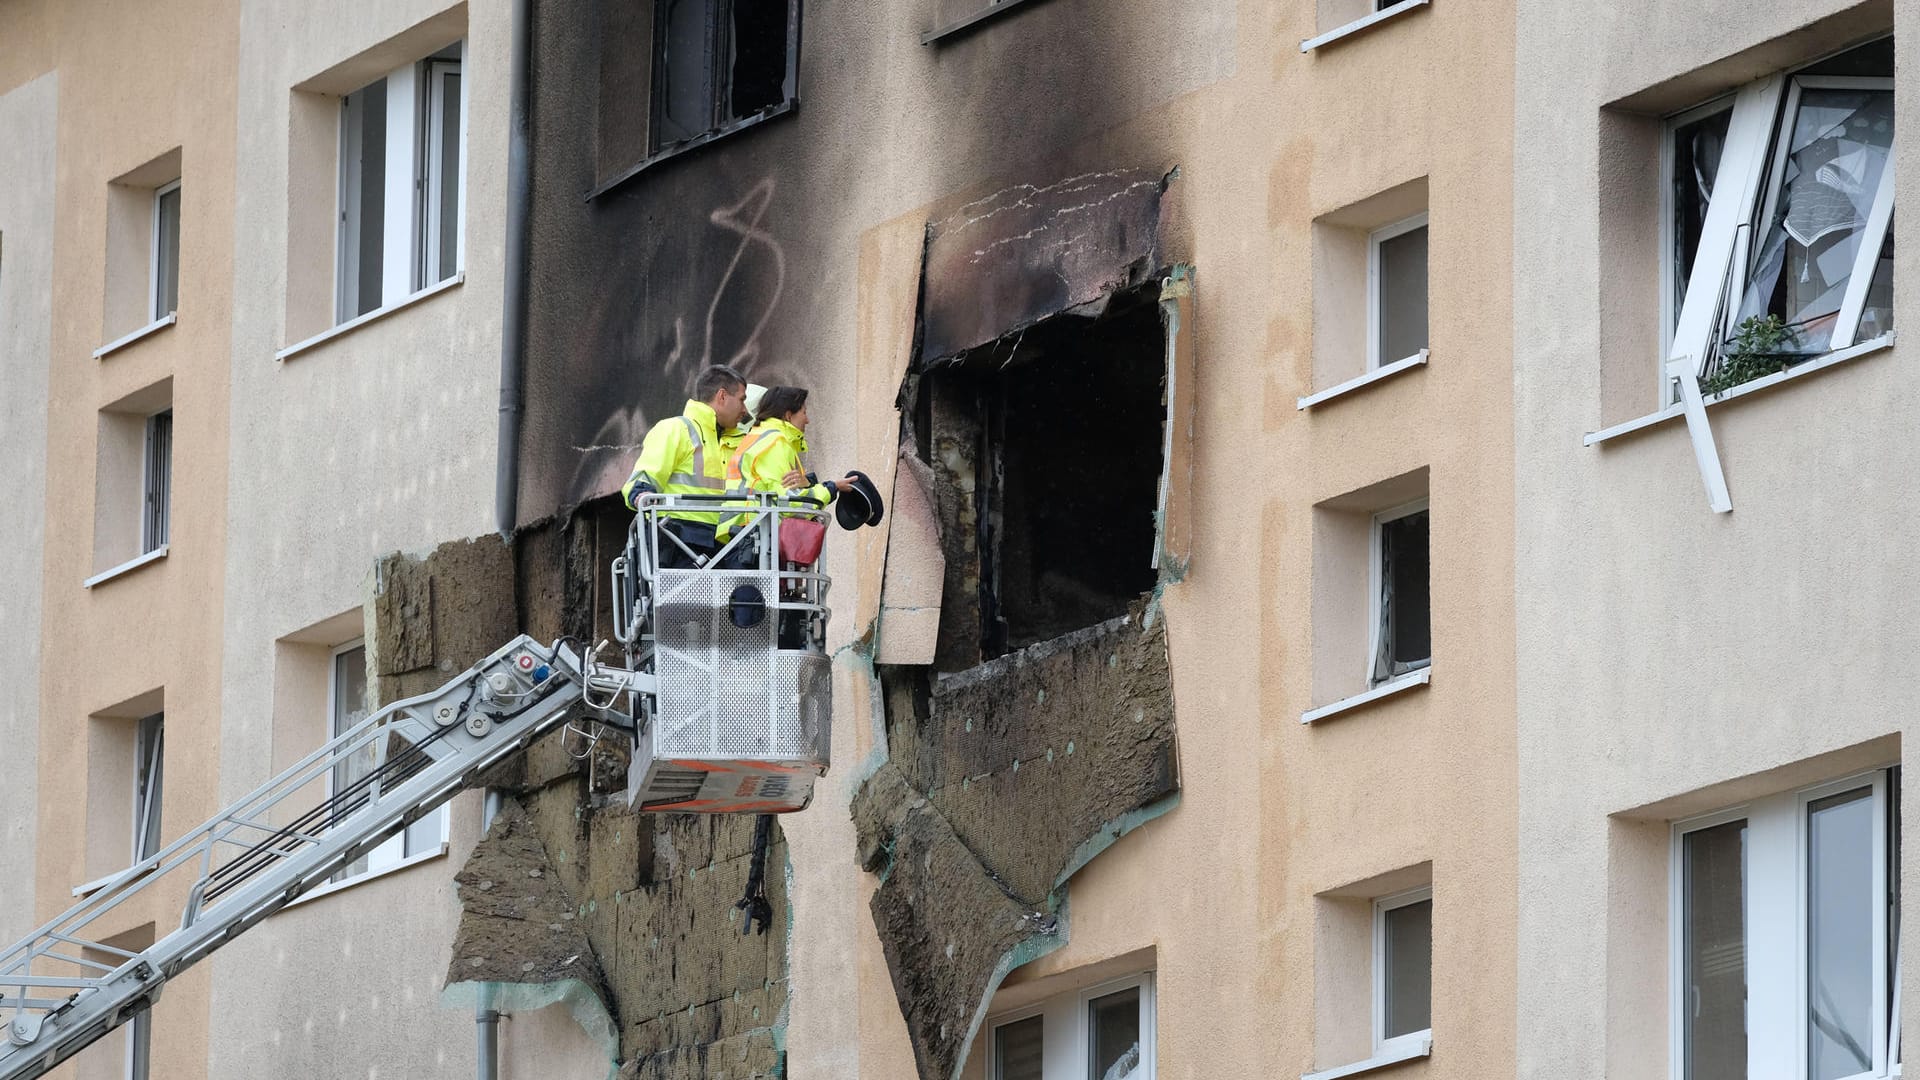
x: 718, y: 62
x: 1047, y: 445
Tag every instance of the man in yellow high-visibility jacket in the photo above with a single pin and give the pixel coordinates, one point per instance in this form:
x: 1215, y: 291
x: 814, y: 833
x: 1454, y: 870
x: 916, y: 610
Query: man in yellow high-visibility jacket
x: 682, y: 455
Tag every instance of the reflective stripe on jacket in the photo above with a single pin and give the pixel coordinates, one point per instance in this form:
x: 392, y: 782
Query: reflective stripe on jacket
x: 681, y: 455
x: 765, y: 458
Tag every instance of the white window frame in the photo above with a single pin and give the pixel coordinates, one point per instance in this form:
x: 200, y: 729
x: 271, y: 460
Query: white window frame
x: 1374, y: 240
x: 431, y: 169
x: 149, y: 762
x: 410, y: 258
x: 156, y: 484
x: 1777, y: 829
x: 1756, y: 146
x: 392, y: 852
x: 1066, y: 1030
x: 1668, y: 238
x: 153, y: 260
x: 1413, y: 1042
x: 1376, y: 551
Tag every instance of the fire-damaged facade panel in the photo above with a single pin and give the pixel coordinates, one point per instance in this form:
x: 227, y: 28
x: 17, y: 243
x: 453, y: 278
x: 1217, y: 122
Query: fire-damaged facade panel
x: 1042, y: 726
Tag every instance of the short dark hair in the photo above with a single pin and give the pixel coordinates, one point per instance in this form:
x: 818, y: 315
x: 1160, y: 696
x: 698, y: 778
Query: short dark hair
x: 715, y: 379
x: 782, y: 401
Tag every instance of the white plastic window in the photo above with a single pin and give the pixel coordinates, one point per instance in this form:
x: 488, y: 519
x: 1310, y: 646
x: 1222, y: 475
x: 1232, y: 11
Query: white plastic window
x: 165, y: 272
x: 1397, y: 291
x: 1780, y: 204
x: 1786, y: 937
x: 1402, y: 970
x: 149, y: 760
x: 156, y: 483
x: 1101, y: 1033
x: 402, y: 200
x: 351, y: 783
x: 1402, y: 611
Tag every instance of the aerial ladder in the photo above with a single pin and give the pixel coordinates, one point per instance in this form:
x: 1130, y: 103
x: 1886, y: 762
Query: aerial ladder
x: 725, y: 693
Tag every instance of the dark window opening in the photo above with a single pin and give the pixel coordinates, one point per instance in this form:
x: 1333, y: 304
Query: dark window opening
x: 716, y: 62
x: 1406, y: 639
x: 1048, y: 443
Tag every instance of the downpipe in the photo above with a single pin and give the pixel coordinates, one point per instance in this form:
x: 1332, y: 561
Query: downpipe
x: 485, y: 1018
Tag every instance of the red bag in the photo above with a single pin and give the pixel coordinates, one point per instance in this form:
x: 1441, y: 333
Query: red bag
x: 801, y: 540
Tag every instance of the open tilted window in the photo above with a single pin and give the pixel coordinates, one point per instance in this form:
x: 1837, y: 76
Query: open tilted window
x: 1780, y: 245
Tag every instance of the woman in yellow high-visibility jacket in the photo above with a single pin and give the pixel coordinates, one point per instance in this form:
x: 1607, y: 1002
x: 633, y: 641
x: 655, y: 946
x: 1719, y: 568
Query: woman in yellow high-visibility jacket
x: 769, y: 457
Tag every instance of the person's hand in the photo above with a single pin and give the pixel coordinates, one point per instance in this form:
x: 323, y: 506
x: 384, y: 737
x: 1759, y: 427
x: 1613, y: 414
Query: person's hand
x: 843, y: 485
x: 794, y: 480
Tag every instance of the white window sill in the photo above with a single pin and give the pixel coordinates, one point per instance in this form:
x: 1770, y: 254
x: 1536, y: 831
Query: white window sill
x: 1358, y: 25
x: 375, y: 315
x: 130, y: 873
x: 1674, y: 411
x: 332, y: 887
x: 127, y: 567
x: 1396, y: 685
x: 1384, y: 371
x: 153, y: 327
x: 1413, y: 1047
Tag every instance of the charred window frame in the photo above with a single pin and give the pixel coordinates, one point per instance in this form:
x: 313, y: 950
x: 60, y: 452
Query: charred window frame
x: 1050, y: 444
x: 718, y: 66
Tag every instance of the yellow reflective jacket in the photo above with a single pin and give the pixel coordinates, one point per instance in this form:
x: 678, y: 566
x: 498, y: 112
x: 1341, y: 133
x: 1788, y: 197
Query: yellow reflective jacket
x: 766, y: 456
x: 681, y: 455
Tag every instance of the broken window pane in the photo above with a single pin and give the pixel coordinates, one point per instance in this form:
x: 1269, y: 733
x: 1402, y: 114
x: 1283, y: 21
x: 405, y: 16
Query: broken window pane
x: 1838, y: 142
x: 1406, y: 642
x: 1016, y: 1050
x: 1408, y: 940
x: 1114, y: 1021
x: 683, y: 66
x: 715, y: 62
x: 1402, y: 299
x: 759, y: 56
x: 1046, y: 450
x: 1696, y: 162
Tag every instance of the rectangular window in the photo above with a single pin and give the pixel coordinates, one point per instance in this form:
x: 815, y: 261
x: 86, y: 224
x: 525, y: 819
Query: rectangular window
x: 353, y: 782
x: 157, y: 485
x: 717, y: 62
x: 1017, y: 1049
x: 1402, y: 613
x: 1779, y: 226
x: 1397, y: 291
x: 400, y: 184
x: 1403, y: 968
x: 1104, y: 1033
x: 166, y: 250
x: 1787, y: 934
x: 149, y: 757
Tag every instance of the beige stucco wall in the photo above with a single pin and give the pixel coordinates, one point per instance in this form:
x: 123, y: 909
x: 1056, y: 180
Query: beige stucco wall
x: 136, y: 82
x: 377, y: 440
x: 27, y: 125
x: 1220, y: 892
x: 1663, y: 649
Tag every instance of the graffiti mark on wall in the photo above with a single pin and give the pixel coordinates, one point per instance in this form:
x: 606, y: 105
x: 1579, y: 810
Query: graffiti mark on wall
x: 736, y: 271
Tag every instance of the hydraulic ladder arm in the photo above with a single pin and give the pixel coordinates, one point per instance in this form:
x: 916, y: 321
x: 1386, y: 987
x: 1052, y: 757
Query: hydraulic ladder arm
x: 60, y: 989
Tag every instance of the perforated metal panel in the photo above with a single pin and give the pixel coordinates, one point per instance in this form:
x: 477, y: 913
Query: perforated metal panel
x: 728, y: 692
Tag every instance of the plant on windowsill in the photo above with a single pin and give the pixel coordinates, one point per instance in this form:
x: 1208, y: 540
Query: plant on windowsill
x: 1755, y: 349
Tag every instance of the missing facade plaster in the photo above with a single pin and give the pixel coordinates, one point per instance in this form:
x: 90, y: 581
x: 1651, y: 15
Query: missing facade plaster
x: 1040, y: 728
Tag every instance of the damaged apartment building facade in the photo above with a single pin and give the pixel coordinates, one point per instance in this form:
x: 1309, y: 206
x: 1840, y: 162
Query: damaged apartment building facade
x: 1217, y: 696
